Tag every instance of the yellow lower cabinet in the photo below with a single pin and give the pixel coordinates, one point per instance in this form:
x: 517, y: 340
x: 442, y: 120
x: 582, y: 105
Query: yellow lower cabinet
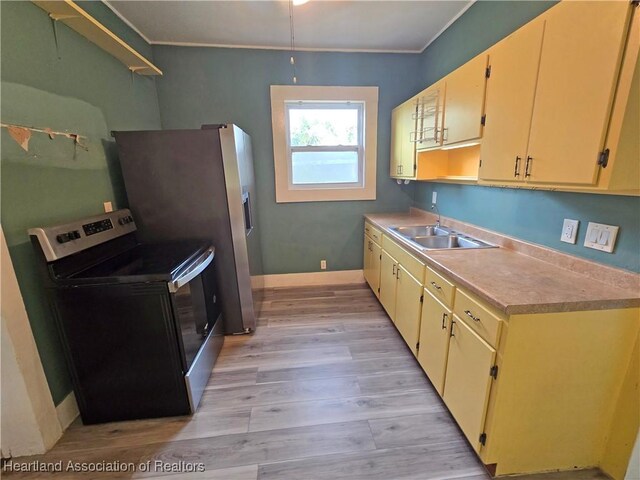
x: 371, y: 269
x: 376, y: 254
x: 468, y: 382
x: 388, y: 271
x: 407, y: 319
x: 434, y: 340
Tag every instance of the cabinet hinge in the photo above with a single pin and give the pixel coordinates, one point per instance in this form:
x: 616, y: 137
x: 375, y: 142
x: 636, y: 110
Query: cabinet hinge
x: 483, y: 119
x: 487, y: 72
x: 421, y: 298
x: 483, y: 438
x: 493, y: 371
x: 603, y: 158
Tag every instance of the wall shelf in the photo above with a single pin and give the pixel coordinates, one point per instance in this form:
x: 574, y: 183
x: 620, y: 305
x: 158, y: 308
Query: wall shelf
x: 77, y: 19
x: 458, y: 165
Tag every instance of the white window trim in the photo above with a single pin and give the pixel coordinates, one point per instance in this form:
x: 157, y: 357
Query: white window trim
x: 285, y: 191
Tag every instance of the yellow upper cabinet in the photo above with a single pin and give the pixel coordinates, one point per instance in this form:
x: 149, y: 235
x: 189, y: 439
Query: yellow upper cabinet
x: 558, y: 109
x: 403, y: 148
x: 464, y: 102
x: 430, y: 117
x: 511, y: 89
x: 581, y: 53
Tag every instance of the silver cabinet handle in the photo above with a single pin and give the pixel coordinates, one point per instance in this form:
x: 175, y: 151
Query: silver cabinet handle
x: 398, y: 272
x: 444, y: 319
x: 453, y: 322
x: 436, y: 286
x: 394, y: 269
x: 527, y: 173
x: 470, y: 315
x: 193, y: 271
x: 516, y: 171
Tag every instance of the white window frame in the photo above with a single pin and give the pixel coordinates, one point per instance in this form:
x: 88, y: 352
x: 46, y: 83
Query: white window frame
x: 285, y: 97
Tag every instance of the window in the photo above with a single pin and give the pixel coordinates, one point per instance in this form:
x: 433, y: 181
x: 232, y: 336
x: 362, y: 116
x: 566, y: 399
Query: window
x: 324, y: 142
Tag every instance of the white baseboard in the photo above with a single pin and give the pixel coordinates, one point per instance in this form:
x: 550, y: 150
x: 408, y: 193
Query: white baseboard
x: 67, y: 411
x: 339, y: 277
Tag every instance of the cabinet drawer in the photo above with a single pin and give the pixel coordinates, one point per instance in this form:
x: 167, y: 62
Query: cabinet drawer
x: 373, y: 232
x: 478, y: 317
x: 414, y: 266
x: 440, y: 287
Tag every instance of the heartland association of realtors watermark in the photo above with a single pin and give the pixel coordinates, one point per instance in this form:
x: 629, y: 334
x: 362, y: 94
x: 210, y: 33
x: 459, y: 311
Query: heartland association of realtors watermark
x: 114, y: 466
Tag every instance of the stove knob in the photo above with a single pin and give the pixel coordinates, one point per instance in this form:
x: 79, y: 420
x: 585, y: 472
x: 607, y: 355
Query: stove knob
x: 63, y: 238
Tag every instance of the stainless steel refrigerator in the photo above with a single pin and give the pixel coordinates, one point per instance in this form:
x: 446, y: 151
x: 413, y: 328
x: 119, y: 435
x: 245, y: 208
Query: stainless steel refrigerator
x: 199, y: 184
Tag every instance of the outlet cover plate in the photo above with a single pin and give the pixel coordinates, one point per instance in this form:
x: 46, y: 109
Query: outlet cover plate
x: 569, y: 231
x: 601, y: 237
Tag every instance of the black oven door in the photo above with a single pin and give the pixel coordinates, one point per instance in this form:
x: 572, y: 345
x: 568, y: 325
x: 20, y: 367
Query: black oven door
x: 198, y: 322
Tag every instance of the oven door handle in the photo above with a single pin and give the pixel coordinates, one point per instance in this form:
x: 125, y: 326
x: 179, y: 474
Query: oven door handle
x: 193, y: 271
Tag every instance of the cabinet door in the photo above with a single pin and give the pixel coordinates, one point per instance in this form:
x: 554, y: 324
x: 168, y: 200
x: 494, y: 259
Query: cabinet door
x: 430, y: 116
x: 396, y: 141
x: 367, y: 261
x: 464, y: 101
x: 467, y: 383
x: 388, y: 270
x: 408, y: 306
x: 403, y: 148
x: 434, y: 340
x: 376, y: 253
x: 509, y: 103
x: 581, y: 53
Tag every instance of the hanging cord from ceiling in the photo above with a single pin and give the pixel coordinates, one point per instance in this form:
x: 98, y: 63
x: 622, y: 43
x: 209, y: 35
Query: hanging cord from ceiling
x: 292, y: 60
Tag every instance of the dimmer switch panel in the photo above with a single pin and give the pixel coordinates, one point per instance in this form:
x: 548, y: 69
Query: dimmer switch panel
x: 601, y: 237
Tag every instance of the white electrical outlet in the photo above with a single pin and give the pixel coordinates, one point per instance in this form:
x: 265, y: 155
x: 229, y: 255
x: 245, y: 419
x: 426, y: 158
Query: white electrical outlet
x: 601, y: 237
x: 569, y: 231
x: 434, y: 198
x: 323, y: 264
x: 108, y: 207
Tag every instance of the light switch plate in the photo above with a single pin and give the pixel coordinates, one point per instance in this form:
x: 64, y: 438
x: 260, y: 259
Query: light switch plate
x: 601, y: 237
x: 108, y: 207
x: 434, y: 198
x: 569, y: 230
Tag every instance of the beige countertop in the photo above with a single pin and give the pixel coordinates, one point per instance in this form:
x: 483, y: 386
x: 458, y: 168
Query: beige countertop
x: 514, y: 282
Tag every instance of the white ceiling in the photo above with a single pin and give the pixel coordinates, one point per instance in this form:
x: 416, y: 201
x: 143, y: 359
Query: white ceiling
x: 365, y: 25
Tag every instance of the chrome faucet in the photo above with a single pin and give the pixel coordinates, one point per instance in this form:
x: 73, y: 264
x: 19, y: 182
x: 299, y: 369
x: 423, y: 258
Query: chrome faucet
x: 434, y: 207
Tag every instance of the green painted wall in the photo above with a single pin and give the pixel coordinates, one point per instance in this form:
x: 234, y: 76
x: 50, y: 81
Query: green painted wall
x: 534, y: 216
x: 213, y: 85
x: 77, y: 88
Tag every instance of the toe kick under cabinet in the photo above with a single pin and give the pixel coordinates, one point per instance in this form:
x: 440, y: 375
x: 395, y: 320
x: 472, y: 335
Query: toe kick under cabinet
x: 531, y: 392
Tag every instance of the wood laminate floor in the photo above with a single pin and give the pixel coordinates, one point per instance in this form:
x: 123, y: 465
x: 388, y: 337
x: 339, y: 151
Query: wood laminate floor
x: 324, y: 390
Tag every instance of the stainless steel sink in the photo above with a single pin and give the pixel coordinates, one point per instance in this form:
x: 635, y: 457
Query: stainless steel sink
x: 435, y: 237
x: 450, y: 241
x: 420, y: 231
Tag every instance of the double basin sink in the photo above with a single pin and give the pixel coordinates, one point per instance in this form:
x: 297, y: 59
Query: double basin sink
x: 435, y: 237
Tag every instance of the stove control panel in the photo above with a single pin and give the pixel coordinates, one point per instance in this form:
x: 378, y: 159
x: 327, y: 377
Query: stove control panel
x: 63, y: 240
x: 97, y: 227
